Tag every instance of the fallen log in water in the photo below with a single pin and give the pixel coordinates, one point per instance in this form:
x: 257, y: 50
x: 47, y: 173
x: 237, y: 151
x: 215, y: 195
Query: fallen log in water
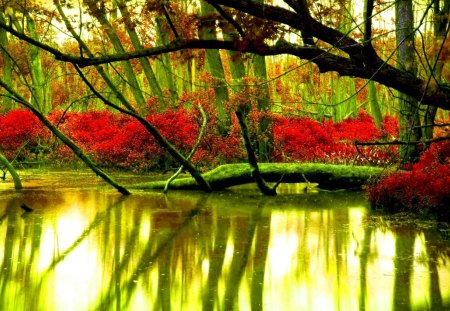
x: 328, y: 176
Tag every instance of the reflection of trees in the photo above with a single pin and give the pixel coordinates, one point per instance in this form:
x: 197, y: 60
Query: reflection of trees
x: 403, y: 267
x: 216, y: 258
x: 243, y: 240
x: 434, y: 253
x: 21, y: 248
x: 259, y: 259
x: 363, y: 261
x: 157, y: 251
x: 216, y: 253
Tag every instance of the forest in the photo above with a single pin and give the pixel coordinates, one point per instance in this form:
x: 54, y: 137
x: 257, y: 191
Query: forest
x: 154, y: 86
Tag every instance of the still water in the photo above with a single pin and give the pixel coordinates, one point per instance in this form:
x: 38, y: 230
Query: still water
x: 88, y: 249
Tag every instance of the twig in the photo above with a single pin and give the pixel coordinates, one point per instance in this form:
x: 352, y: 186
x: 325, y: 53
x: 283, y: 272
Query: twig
x: 397, y: 142
x: 194, y: 149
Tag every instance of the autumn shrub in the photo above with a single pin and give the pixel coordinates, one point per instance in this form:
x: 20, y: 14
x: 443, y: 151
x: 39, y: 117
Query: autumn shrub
x: 305, y: 140
x: 424, y: 189
x: 114, y: 140
x: 22, y: 135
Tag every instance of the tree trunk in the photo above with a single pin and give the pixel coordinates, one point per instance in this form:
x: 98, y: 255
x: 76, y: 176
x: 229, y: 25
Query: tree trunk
x: 12, y: 171
x: 132, y: 81
x: 409, y: 117
x: 374, y: 104
x: 371, y: 88
x: 256, y: 174
x: 7, y: 103
x: 440, y: 33
x: 37, y: 75
x: 164, y: 66
x: 146, y: 67
x: 207, y: 31
x: 263, y: 104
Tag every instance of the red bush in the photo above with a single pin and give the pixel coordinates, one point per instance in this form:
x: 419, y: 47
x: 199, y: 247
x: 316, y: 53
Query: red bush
x: 424, y: 189
x: 116, y: 140
x: 20, y: 128
x: 302, y: 139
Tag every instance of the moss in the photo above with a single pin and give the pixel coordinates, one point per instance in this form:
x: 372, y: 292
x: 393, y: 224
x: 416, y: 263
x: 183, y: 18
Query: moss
x: 328, y: 176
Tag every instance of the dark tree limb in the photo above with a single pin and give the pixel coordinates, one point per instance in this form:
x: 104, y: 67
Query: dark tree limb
x: 301, y: 7
x: 160, y: 139
x: 368, y: 21
x: 256, y: 174
x: 169, y: 20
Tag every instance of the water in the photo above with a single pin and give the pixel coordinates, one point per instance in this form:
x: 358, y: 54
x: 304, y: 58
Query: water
x: 84, y: 248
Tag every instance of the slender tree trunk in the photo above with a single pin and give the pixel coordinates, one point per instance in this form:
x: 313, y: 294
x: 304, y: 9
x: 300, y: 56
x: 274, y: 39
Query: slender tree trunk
x: 237, y: 69
x: 207, y: 31
x: 409, y: 117
x: 371, y: 88
x: 164, y: 66
x: 37, y: 75
x: 374, y: 104
x: 130, y: 75
x: 440, y: 33
x: 6, y: 103
x: 146, y: 67
x: 263, y: 105
x: 256, y: 173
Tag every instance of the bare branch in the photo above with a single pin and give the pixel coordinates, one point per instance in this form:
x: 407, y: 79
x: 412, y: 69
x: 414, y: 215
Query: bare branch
x: 397, y: 142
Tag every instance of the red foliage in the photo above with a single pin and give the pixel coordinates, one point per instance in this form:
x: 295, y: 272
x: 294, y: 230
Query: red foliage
x: 17, y: 129
x: 361, y: 128
x: 424, y: 189
x: 118, y: 141
x: 302, y: 139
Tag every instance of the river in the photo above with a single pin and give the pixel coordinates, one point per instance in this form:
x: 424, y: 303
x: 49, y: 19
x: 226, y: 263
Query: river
x: 89, y: 248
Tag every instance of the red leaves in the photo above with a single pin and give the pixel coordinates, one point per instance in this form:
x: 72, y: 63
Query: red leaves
x: 424, y: 189
x: 303, y: 139
x: 17, y: 128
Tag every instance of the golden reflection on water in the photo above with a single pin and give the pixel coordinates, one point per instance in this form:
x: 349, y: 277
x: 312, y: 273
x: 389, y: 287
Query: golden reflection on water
x: 96, y: 250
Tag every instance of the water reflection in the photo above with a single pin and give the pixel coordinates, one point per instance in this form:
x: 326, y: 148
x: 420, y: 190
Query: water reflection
x: 96, y: 250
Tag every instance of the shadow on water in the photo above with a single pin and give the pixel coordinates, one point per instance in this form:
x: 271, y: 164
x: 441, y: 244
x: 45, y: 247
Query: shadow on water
x: 237, y: 250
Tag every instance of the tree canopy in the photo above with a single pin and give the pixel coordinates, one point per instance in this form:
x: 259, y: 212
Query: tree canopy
x: 264, y: 28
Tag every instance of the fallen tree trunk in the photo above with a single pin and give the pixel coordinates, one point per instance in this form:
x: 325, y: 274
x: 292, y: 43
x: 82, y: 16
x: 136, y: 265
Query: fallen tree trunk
x: 328, y: 176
